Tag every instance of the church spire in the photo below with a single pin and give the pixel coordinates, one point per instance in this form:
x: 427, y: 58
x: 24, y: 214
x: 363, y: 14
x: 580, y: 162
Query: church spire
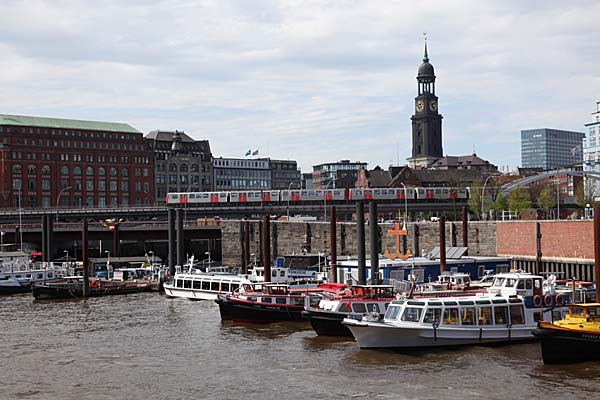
x: 425, y: 56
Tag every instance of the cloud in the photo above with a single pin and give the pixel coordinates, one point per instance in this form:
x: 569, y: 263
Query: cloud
x: 315, y: 81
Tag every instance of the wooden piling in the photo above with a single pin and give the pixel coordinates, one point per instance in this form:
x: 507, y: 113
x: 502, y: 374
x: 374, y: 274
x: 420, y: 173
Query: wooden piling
x: 84, y: 257
x: 465, y: 229
x: 172, y: 249
x: 442, y: 244
x: 360, y: 239
x: 597, y: 251
x: 266, y: 228
x: 333, y: 244
x: 374, y: 238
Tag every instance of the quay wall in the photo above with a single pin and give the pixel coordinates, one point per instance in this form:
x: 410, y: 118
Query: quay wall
x: 313, y: 237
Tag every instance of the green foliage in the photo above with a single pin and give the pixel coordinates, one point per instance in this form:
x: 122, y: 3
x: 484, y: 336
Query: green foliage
x: 518, y: 200
x: 500, y: 204
x: 475, y: 198
x: 581, y: 198
x: 546, y: 199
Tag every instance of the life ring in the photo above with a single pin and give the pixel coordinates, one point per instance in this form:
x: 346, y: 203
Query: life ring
x: 548, y: 300
x: 537, y: 300
x: 23, y: 268
x: 559, y: 300
x: 94, y: 284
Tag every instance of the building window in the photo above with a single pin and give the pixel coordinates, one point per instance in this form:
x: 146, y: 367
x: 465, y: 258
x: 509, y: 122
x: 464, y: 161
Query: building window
x: 31, y: 170
x: 101, y: 187
x: 45, y: 184
x: 17, y: 169
x: 146, y: 187
x: 101, y: 202
x: 17, y: 184
x: 46, y: 202
x: 89, y: 185
x: 78, y: 185
x: 113, y: 186
x: 77, y: 170
x: 113, y: 201
x: 145, y: 172
x: 31, y: 184
x: 125, y: 200
x: 64, y: 183
x: 124, y: 172
x: 124, y: 186
x: 101, y: 171
x: 138, y: 187
x: 113, y: 171
x: 64, y: 170
x: 89, y: 201
x: 90, y: 171
x: 45, y: 170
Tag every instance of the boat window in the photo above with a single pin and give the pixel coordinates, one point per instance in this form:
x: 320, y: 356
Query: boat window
x: 432, y: 315
x: 450, y: 303
x: 510, y: 282
x: 415, y: 303
x: 386, y: 306
x: 282, y: 274
x: 498, y: 282
x: 297, y: 301
x: 483, y: 302
x: 466, y: 303
x: 214, y: 286
x: 537, y: 316
x: 514, y: 300
x: 392, y: 312
x: 398, y: 302
x: 49, y: 274
x: 234, y: 287
x: 500, y: 315
x: 412, y: 314
x: 251, y: 298
x: 467, y: 316
x: 528, y: 284
x: 344, y: 307
x: 435, y: 303
x: 521, y: 284
x: 485, y: 315
x: 450, y: 316
x: 224, y: 286
x: 280, y: 300
x: 499, y: 301
x: 205, y: 285
x: 359, y: 308
x: 187, y: 284
x: 266, y: 300
x: 179, y: 283
x: 28, y: 276
x: 593, y: 312
x: 516, y: 315
x: 373, y: 307
x: 18, y: 276
x: 40, y: 276
x: 196, y: 284
x: 556, y: 315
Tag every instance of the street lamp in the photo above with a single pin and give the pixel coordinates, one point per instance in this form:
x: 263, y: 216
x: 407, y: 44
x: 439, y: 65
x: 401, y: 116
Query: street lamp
x: 405, y: 206
x: 58, y: 199
x: 209, y: 261
x: 288, y: 202
x: 483, y: 192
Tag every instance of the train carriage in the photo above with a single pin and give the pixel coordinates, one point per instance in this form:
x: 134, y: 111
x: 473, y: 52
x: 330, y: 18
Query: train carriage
x: 254, y: 196
x: 270, y: 196
x: 290, y: 195
x: 206, y: 197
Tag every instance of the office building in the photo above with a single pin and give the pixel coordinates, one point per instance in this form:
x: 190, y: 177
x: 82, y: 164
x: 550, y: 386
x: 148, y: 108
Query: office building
x: 336, y: 175
x: 550, y: 148
x: 591, y: 154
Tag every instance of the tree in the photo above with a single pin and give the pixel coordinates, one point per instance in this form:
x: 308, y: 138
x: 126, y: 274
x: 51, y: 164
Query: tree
x: 500, y: 204
x: 546, y: 199
x: 475, y: 197
x: 582, y: 198
x: 518, y: 200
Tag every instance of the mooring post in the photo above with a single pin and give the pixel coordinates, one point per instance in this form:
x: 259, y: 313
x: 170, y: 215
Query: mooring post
x: 454, y: 234
x: 333, y: 244
x: 442, y: 244
x: 416, y: 244
x: 44, y: 243
x: 180, y: 238
x: 266, y: 246
x: 538, y: 248
x: 84, y: 257
x: 360, y: 238
x: 465, y: 229
x: 246, y: 246
x: 597, y: 251
x: 172, y: 252
x: 374, y: 238
x: 242, y: 244
x: 116, y: 241
x: 50, y: 238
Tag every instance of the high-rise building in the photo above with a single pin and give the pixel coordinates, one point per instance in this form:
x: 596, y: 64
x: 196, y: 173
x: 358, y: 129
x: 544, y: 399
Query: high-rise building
x: 550, y: 148
x: 591, y: 153
x: 426, y: 122
x: 50, y: 162
x: 337, y: 175
x: 181, y: 163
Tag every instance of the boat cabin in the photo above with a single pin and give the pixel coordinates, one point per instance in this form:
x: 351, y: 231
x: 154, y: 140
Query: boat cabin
x: 372, y: 291
x: 579, y: 313
x: 517, y: 283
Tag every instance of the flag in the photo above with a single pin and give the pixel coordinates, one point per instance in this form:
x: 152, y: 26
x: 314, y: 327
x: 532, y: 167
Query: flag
x: 248, y: 153
x: 255, y: 152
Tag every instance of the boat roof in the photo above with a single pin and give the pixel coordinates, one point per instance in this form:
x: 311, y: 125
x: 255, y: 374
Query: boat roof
x: 585, y: 304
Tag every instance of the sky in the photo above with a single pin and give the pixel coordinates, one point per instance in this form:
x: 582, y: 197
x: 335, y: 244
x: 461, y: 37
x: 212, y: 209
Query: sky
x: 315, y: 81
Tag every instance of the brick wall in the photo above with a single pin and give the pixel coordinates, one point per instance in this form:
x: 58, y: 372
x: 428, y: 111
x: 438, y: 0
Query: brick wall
x: 564, y: 239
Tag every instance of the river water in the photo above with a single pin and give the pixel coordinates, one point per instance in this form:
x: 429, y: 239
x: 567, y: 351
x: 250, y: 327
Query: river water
x: 147, y: 346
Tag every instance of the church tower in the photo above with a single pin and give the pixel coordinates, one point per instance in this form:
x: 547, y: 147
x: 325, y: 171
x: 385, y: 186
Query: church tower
x: 426, y: 121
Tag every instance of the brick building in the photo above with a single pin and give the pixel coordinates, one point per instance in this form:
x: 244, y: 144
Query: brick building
x: 72, y: 163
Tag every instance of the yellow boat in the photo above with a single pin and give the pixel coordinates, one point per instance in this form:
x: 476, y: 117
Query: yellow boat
x: 573, y: 339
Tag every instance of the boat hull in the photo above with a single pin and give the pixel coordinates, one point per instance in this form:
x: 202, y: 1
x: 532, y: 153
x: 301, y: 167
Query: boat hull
x: 14, y: 289
x: 327, y: 323
x: 50, y: 292
x: 379, y: 335
x: 244, y: 311
x: 565, y: 346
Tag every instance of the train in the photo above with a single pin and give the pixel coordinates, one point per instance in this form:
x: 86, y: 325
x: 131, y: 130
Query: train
x: 312, y: 195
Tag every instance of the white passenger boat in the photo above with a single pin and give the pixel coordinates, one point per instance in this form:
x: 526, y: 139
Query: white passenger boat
x: 508, y: 313
x: 198, y: 285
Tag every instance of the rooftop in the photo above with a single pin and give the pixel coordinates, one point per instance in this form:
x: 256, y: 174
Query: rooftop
x: 43, y: 122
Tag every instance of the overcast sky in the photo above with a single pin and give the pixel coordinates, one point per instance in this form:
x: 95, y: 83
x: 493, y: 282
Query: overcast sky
x: 314, y: 81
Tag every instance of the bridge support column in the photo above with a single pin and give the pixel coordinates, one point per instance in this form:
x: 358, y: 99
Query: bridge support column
x: 180, y: 238
x: 333, y: 244
x: 360, y: 241
x: 442, y: 244
x: 84, y: 257
x: 172, y: 252
x: 266, y: 225
x: 374, y: 238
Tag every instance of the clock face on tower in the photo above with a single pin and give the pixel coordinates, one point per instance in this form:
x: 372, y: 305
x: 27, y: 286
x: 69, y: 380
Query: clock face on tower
x: 433, y: 105
x: 420, y: 106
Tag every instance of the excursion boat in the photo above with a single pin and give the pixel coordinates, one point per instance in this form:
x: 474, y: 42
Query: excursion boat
x: 326, y: 317
x: 72, y: 287
x: 575, y: 338
x: 272, y: 302
x: 198, y: 285
x: 13, y: 286
x: 19, y: 277
x: 508, y: 313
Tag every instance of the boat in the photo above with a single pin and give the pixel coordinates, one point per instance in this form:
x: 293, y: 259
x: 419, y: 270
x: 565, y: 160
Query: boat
x: 326, y: 317
x: 272, y: 302
x: 20, y: 276
x: 197, y: 285
x: 72, y: 287
x: 13, y: 286
x: 508, y: 313
x: 575, y: 338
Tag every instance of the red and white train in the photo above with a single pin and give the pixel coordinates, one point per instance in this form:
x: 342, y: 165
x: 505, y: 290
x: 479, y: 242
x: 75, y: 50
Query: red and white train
x: 292, y: 196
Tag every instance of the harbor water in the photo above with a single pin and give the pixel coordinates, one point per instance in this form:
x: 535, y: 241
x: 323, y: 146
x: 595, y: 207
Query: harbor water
x: 147, y: 346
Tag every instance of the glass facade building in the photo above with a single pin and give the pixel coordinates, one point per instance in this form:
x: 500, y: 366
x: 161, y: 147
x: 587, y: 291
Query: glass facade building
x: 551, y: 148
x: 591, y: 153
